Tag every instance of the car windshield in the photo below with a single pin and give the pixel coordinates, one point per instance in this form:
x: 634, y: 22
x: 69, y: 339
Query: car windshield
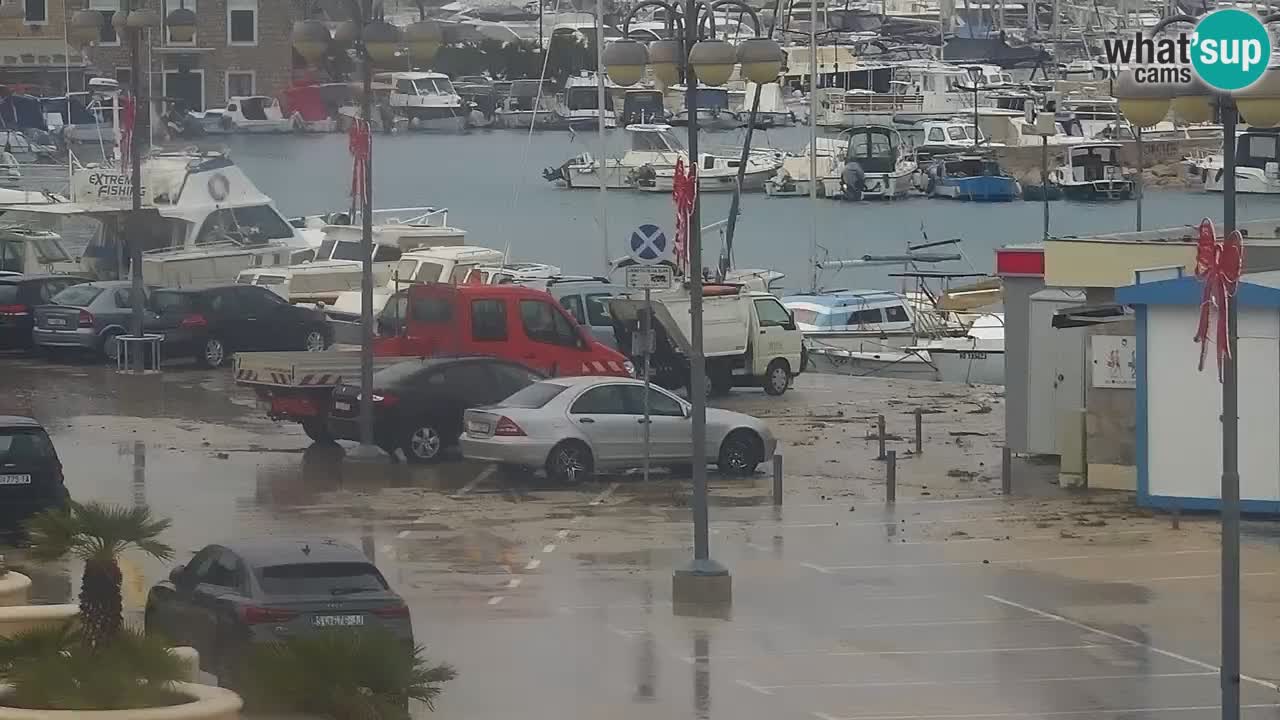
x: 25, y: 447
x: 534, y: 396
x: 334, y: 578
x: 77, y: 295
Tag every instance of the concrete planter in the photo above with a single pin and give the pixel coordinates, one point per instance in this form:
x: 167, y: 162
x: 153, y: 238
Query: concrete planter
x: 207, y: 703
x: 15, y: 589
x: 20, y: 618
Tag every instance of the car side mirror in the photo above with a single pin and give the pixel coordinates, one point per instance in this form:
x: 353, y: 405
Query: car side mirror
x: 687, y: 411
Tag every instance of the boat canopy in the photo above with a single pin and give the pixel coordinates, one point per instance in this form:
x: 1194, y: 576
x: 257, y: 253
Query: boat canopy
x: 654, y: 138
x: 873, y: 147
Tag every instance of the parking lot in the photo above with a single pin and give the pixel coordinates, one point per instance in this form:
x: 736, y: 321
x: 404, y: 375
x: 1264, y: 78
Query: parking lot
x: 555, y: 602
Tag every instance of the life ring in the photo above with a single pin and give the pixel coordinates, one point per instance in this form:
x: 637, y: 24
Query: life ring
x: 219, y: 187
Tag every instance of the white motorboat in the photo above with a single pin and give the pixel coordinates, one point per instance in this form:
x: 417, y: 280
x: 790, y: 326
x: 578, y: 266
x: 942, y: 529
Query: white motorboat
x: 427, y: 100
x: 652, y: 146
x: 773, y: 110
x: 902, y: 92
x: 877, y: 165
x: 337, y: 266
x: 792, y: 178
x: 714, y: 113
x: 863, y: 332
x: 529, y: 104
x: 1092, y: 171
x: 1257, y: 163
x: 255, y: 114
x: 717, y: 173
x: 580, y: 103
x: 977, y: 358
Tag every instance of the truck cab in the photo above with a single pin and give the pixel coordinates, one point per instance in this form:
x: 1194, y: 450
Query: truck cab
x: 507, y: 321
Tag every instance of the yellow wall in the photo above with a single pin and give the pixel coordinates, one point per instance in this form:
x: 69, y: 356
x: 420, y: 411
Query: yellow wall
x: 56, y: 10
x: 1100, y: 264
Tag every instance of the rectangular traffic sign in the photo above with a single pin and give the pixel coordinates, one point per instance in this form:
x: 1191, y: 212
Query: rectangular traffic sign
x: 649, y: 277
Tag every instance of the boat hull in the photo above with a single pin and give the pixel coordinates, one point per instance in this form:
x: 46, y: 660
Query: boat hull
x: 1252, y: 181
x: 752, y: 181
x: 989, y: 188
x: 439, y: 123
x: 1099, y: 190
x: 886, y: 363
x: 973, y: 367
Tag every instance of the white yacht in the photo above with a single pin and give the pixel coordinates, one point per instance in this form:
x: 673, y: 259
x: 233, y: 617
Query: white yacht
x: 580, y: 103
x: 1257, y: 164
x: 426, y: 99
x: 714, y: 113
x: 863, y: 332
x: 255, y: 114
x: 904, y: 93
x: 1092, y: 171
x: 792, y: 177
x: 877, y: 165
x: 976, y: 358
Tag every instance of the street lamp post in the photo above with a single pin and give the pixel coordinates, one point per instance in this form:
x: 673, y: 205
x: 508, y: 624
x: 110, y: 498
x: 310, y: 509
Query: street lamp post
x: 693, y: 53
x: 1259, y: 104
x: 133, y: 22
x: 372, y: 41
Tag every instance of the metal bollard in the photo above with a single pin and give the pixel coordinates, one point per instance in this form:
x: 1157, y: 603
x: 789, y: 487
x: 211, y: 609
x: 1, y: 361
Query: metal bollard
x: 777, y: 479
x: 880, y: 428
x: 1177, y: 516
x: 1006, y: 471
x: 891, y: 478
x: 919, y: 432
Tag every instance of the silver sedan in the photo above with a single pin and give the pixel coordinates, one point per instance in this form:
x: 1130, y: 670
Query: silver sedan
x: 574, y: 426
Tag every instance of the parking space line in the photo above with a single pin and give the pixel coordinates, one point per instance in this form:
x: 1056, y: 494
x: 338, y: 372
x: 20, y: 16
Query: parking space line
x: 944, y: 623
x: 605, y: 494
x: 996, y: 681
x: 514, y: 582
x: 756, y: 688
x: 1214, y: 576
x: 819, y: 568
x: 496, y: 599
x: 897, y: 653
x: 532, y: 564
x: 953, y: 541
x: 1019, y: 561
x: 549, y: 548
x: 484, y: 475
x: 902, y: 501
x: 1128, y: 641
x: 1043, y: 713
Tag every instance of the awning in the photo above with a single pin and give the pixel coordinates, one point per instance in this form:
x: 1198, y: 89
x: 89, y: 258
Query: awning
x: 1085, y: 315
x: 38, y: 54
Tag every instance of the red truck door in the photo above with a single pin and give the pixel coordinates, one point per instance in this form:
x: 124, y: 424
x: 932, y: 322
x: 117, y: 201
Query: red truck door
x: 552, y: 342
x: 429, y: 326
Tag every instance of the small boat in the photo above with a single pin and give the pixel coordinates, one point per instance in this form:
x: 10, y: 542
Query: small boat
x: 1257, y: 164
x: 792, y: 178
x: 971, y: 177
x: 427, y: 100
x: 213, y: 121
x: 948, y: 136
x: 861, y: 332
x: 653, y: 147
x: 529, y: 105
x: 643, y: 107
x: 1092, y: 171
x: 480, y: 97
x: 713, y: 110
x: 255, y: 114
x: 580, y: 103
x: 311, y: 110
x: 977, y: 358
x: 876, y: 165
x: 717, y: 173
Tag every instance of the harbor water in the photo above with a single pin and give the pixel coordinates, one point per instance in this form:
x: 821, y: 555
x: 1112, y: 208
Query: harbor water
x: 491, y: 182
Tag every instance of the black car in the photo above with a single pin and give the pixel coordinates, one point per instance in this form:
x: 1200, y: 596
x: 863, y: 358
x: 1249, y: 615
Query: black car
x: 210, y: 324
x: 418, y: 404
x: 19, y: 295
x: 233, y: 595
x: 30, y: 473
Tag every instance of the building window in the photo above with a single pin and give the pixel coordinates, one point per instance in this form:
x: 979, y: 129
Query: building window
x: 124, y: 76
x: 37, y: 12
x: 240, y: 84
x: 106, y: 32
x: 242, y: 22
x: 186, y: 88
x: 170, y: 6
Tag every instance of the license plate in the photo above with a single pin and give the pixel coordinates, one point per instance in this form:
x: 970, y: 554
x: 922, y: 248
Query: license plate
x: 15, y: 479
x: 343, y: 406
x: 475, y: 426
x: 339, y: 620
x: 56, y: 322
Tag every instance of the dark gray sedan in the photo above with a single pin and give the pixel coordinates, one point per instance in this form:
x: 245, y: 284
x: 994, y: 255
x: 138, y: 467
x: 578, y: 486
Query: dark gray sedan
x: 235, y: 594
x: 85, y: 317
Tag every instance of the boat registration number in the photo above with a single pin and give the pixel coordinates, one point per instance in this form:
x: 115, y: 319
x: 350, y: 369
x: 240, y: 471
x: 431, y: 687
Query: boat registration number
x: 15, y: 479
x: 338, y: 620
x: 972, y: 355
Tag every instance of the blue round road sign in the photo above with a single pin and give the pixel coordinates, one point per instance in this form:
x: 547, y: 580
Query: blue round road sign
x: 649, y: 245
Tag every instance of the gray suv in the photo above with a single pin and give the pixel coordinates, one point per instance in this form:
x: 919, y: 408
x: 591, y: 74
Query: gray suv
x: 86, y: 317
x: 235, y: 594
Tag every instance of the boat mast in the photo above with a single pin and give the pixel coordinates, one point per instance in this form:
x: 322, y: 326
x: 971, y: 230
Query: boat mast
x: 813, y: 142
x: 600, y: 98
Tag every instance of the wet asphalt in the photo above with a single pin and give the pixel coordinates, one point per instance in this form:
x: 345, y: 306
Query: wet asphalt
x: 552, y: 602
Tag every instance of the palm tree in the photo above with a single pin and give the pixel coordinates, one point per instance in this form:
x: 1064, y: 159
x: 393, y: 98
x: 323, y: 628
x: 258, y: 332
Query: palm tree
x: 343, y: 674
x: 97, y: 534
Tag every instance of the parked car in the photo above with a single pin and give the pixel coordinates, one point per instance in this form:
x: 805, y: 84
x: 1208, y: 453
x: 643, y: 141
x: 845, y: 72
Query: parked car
x: 585, y: 298
x: 232, y: 595
x: 30, y: 474
x: 88, y: 316
x: 19, y: 295
x: 212, y: 323
x: 573, y: 426
x: 418, y: 404
x: 508, y: 321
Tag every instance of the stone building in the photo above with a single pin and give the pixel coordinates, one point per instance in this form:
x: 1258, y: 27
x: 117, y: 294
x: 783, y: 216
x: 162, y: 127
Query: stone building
x: 241, y: 47
x: 34, y: 56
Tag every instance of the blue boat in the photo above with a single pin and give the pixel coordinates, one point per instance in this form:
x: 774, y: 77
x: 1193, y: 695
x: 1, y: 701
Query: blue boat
x: 971, y: 177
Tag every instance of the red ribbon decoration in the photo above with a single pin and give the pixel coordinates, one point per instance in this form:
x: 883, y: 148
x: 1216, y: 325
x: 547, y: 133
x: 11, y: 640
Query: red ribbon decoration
x: 360, y: 145
x: 684, y: 191
x: 1218, y: 266
x: 128, y: 119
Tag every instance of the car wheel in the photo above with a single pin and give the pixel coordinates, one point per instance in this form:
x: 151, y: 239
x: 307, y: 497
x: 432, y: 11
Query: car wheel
x: 213, y: 353
x: 423, y: 444
x: 777, y: 377
x: 570, y: 463
x: 109, y: 349
x: 318, y: 430
x: 315, y: 341
x: 740, y: 453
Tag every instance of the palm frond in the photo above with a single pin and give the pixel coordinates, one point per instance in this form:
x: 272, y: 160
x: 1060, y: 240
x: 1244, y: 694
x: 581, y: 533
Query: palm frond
x: 95, y: 530
x: 17, y: 648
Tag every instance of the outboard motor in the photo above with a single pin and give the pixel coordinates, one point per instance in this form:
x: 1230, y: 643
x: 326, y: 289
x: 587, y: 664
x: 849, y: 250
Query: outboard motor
x: 853, y: 181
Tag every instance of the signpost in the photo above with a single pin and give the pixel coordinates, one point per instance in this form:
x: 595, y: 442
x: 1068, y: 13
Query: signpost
x: 649, y: 248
